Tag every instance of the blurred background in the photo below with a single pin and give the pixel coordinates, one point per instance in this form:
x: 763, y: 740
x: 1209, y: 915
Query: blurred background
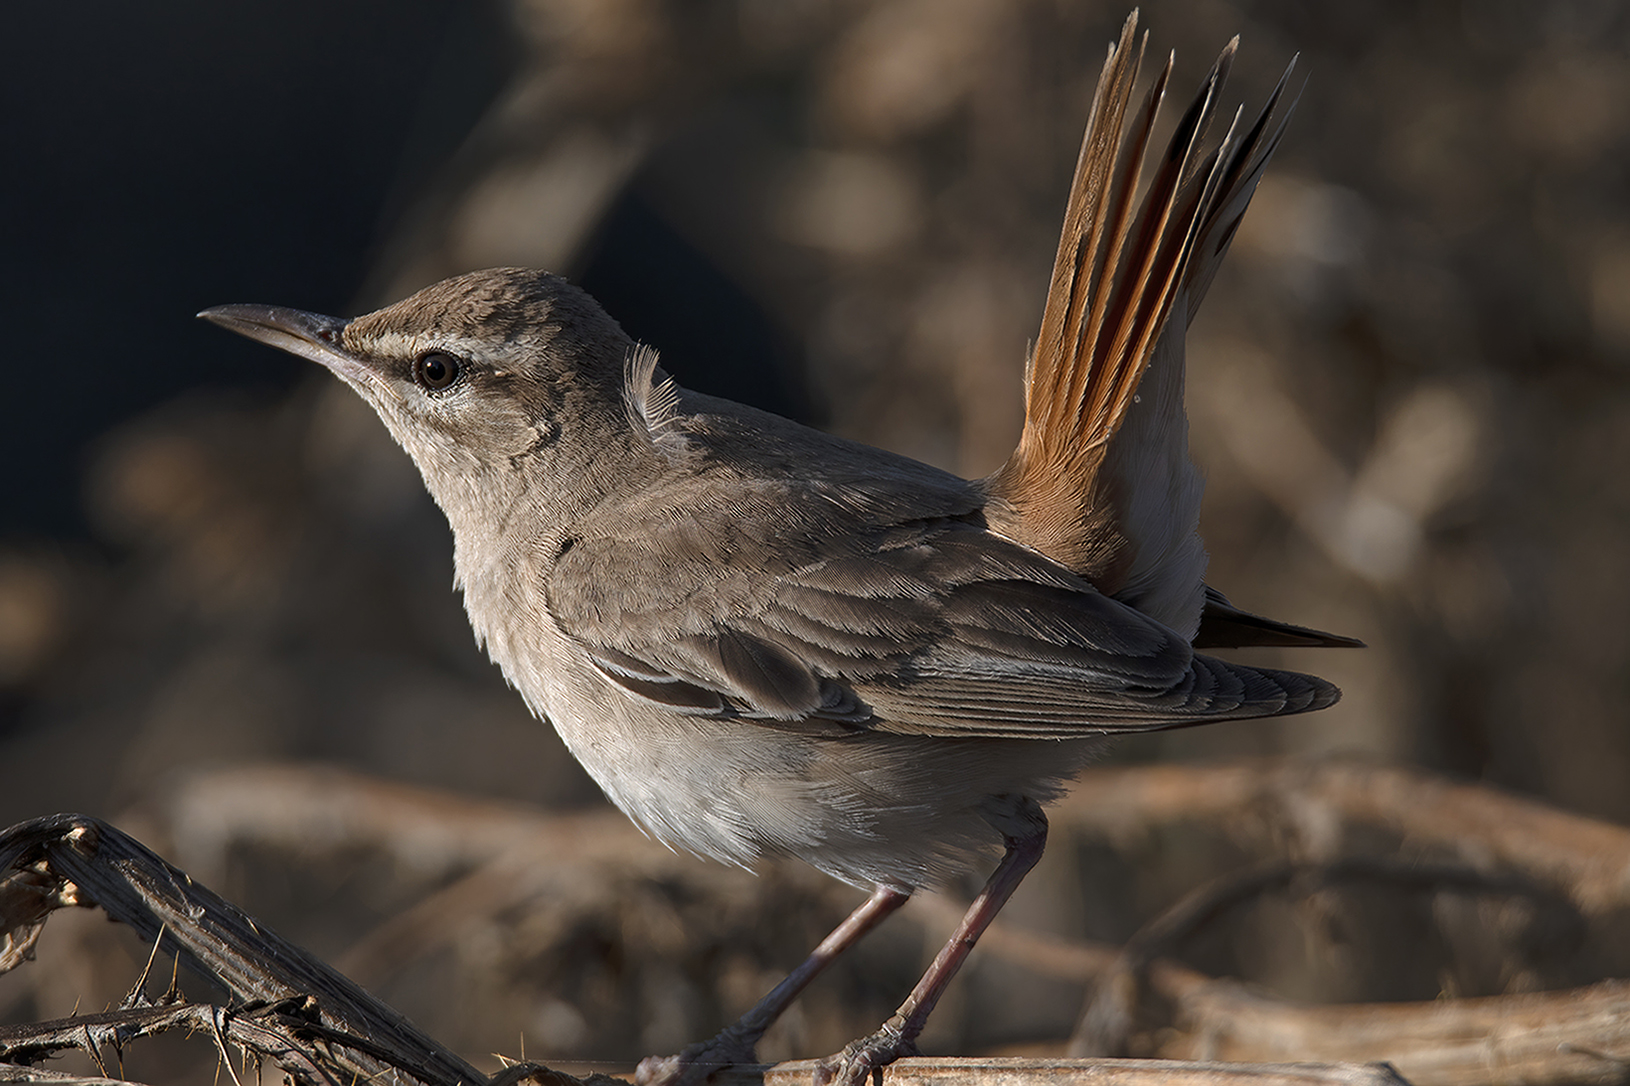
x: 1409, y: 388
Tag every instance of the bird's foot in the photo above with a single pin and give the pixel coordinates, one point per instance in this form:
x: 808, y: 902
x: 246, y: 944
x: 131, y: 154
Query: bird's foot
x: 698, y: 1062
x: 860, y: 1059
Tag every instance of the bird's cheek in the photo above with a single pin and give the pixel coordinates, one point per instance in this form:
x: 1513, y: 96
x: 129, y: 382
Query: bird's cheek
x: 506, y: 435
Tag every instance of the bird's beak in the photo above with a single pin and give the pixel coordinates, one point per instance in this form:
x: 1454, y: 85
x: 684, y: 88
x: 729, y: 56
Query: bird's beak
x: 309, y: 335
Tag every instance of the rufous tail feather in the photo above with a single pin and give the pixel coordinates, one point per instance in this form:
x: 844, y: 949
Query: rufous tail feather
x: 1115, y: 280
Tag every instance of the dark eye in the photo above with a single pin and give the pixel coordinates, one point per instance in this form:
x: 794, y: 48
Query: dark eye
x: 436, y: 370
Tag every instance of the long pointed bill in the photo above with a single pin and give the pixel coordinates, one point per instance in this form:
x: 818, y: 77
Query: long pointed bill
x: 309, y: 335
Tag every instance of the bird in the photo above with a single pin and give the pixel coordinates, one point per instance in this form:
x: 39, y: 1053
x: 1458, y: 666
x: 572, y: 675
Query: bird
x: 762, y: 640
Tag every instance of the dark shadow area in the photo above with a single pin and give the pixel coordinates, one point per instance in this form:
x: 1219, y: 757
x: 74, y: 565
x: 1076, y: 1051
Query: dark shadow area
x: 173, y: 156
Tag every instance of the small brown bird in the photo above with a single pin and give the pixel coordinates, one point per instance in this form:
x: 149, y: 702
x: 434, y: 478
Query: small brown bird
x: 765, y: 641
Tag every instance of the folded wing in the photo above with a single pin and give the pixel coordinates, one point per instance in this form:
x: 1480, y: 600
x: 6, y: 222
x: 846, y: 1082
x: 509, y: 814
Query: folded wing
x: 935, y: 627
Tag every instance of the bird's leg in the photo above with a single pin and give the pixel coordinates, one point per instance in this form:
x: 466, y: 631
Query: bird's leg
x: 735, y: 1044
x: 1024, y: 832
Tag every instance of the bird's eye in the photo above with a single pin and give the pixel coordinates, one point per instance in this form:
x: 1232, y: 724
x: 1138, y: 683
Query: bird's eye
x: 436, y: 370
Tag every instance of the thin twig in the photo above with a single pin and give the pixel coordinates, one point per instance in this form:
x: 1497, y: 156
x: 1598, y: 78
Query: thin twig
x: 216, y: 1016
x: 135, y: 996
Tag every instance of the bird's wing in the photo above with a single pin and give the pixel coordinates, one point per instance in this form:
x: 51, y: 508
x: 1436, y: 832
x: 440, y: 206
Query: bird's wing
x: 933, y: 626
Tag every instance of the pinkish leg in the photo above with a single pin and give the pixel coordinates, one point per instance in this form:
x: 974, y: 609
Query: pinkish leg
x: 735, y: 1044
x: 1025, y: 834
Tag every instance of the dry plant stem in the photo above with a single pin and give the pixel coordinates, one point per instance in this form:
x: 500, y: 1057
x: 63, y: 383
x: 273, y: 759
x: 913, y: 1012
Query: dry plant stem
x: 1021, y: 1071
x: 27, y: 897
x: 536, y: 1074
x: 265, y: 1029
x: 1587, y: 859
x: 11, y: 1072
x: 1547, y: 1037
x: 1571, y: 1037
x: 1581, y: 1035
x: 1576, y: 1036
x: 736, y: 1044
x: 358, y: 1035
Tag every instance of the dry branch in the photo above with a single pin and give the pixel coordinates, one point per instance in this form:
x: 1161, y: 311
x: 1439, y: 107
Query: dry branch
x: 939, y: 1071
x: 319, y: 1027
x: 313, y: 1022
x: 306, y: 1017
x: 1576, y: 1036
x: 1505, y: 846
x: 11, y: 1072
x: 1318, y: 802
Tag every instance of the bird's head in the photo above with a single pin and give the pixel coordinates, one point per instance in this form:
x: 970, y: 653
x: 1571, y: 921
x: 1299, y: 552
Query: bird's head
x: 472, y: 375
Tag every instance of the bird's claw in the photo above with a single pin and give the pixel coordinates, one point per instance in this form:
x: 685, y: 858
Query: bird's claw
x: 861, y: 1059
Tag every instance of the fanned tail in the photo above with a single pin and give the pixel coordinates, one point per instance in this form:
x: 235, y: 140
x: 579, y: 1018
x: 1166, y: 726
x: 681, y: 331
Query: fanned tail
x: 1117, y: 279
